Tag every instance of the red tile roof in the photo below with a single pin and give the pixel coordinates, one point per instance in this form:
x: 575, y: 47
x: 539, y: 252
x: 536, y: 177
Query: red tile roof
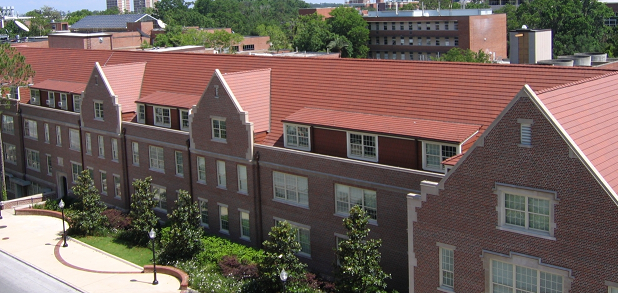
x: 60, y: 86
x: 384, y: 124
x: 252, y: 90
x: 452, y: 161
x: 126, y: 82
x: 162, y: 98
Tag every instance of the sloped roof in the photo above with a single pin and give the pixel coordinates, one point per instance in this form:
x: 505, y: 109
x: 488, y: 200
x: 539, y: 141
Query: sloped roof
x: 410, y: 127
x: 126, y: 82
x: 252, y: 90
x: 61, y: 86
x: 452, y: 161
x: 110, y: 21
x: 163, y: 98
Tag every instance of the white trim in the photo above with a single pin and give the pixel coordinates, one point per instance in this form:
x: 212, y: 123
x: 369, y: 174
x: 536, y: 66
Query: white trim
x: 139, y: 108
x: 212, y: 129
x: 227, y: 210
x: 199, y: 205
x: 180, y: 111
x: 297, y: 146
x: 440, y: 144
x: 96, y: 112
x: 103, y: 186
x: 239, y: 181
x: 362, y: 157
x: 240, y: 213
x: 169, y: 117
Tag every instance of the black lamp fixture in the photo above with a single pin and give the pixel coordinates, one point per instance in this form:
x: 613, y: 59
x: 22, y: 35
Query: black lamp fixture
x: 64, y: 231
x: 284, y: 277
x: 152, y: 234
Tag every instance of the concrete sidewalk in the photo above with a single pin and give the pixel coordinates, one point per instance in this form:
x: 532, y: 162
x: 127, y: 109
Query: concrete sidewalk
x: 37, y: 241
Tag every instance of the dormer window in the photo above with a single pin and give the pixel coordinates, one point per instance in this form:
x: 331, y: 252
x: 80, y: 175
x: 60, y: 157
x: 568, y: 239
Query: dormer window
x: 184, y: 120
x: 435, y: 153
x: 51, y: 100
x: 162, y: 117
x: 63, y: 102
x: 525, y: 130
x: 141, y: 113
x: 297, y: 137
x: 77, y: 103
x: 35, y: 97
x: 363, y: 146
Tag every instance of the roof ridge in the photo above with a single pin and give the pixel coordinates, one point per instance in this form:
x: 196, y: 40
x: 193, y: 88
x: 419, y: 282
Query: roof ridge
x: 246, y: 71
x: 124, y: 64
x: 585, y: 80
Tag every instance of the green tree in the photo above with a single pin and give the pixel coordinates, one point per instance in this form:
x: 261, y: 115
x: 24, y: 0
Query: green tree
x: 142, y: 215
x: 359, y: 259
x: 278, y: 39
x: 280, y: 253
x: 467, y: 55
x: 221, y: 40
x: 185, y: 231
x: 410, y: 6
x: 75, y: 16
x: 85, y: 216
x: 340, y: 44
x: 347, y: 22
x: 312, y: 33
x: 14, y: 72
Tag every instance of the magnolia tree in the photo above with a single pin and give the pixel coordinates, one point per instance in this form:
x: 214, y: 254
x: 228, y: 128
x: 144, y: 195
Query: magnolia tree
x: 85, y: 217
x: 142, y: 215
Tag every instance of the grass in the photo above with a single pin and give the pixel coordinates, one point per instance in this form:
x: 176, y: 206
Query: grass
x: 135, y: 254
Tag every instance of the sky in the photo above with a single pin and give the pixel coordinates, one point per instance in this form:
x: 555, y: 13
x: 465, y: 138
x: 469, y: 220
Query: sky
x: 23, y: 6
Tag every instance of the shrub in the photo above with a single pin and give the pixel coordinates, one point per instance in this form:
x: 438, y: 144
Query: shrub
x: 142, y: 215
x: 207, y: 278
x: 215, y: 248
x: 85, y: 217
x: 185, y: 232
x: 50, y: 204
x: 231, y: 267
x: 116, y: 220
x: 280, y: 253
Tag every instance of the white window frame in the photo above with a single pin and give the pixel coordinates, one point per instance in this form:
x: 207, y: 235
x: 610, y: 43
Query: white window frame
x: 117, y: 186
x: 442, y: 155
x: 203, y: 206
x: 183, y: 120
x: 141, y: 113
x: 160, y: 117
x: 524, y: 261
x: 502, y: 189
x: 88, y: 143
x: 295, y: 135
x: 348, y: 201
x: 525, y: 132
x: 135, y: 152
x: 180, y: 171
x: 103, y: 180
x: 156, y: 157
x: 285, y: 184
x: 300, y: 229
x: 242, y: 179
x: 363, y: 156
x: 10, y: 153
x: 77, y: 103
x: 114, y: 143
x: 46, y: 134
x: 76, y: 170
x: 221, y: 176
x: 201, y: 169
x: 35, y: 97
x: 160, y: 197
x: 101, y: 145
x: 447, y: 256
x: 30, y: 129
x: 244, y: 218
x: 612, y: 287
x: 216, y: 91
x: 8, y: 124
x: 51, y: 99
x: 99, y: 113
x: 48, y: 160
x: 74, y: 141
x: 224, y: 218
x: 58, y: 136
x: 64, y: 101
x: 219, y: 133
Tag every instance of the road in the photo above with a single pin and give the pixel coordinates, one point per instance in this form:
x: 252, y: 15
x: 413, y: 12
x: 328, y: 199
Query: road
x: 17, y: 277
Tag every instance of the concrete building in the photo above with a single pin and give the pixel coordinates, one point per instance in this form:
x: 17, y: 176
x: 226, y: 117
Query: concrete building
x: 258, y: 140
x: 122, y: 5
x: 425, y: 34
x: 140, y: 6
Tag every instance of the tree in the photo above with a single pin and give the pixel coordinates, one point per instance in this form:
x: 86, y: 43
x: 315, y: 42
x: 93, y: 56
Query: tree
x: 467, y: 55
x: 410, y: 6
x: 142, y: 215
x: 75, y: 16
x: 359, y: 259
x: 340, y: 44
x: 14, y: 72
x: 185, y: 230
x: 278, y: 39
x: 280, y: 253
x: 347, y: 22
x: 85, y: 217
x: 312, y: 33
x: 221, y: 40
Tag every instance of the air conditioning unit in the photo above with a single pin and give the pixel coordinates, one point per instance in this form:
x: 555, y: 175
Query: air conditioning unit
x: 61, y: 104
x: 35, y: 101
x: 47, y: 103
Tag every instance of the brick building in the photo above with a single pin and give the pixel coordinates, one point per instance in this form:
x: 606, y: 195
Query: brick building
x: 423, y: 34
x: 257, y: 140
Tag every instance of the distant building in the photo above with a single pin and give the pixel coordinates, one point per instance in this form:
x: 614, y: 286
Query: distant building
x: 123, y: 5
x: 111, y: 23
x: 141, y: 5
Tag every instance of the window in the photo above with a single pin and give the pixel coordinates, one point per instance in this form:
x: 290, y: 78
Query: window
x: 525, y: 132
x: 456, y: 25
x: 51, y: 100
x: 437, y: 26
x: 446, y: 25
x: 216, y: 91
x: 160, y: 196
x: 98, y: 110
x: 401, y: 25
x: 248, y: 47
x: 347, y: 197
x: 179, y: 163
x: 411, y: 41
x: 30, y: 129
x: 203, y: 204
x: 436, y: 153
x: 218, y: 129
x: 184, y: 120
x: 418, y: 26
x: 456, y: 41
x: 74, y: 142
x: 221, y: 180
x: 76, y: 170
x: 242, y: 178
x: 525, y: 274
x: 141, y: 113
x: 58, y: 136
x: 393, y: 26
x: 156, y: 159
x: 77, y: 103
x: 386, y: 26
x: 297, y: 137
x: 245, y: 228
x: 612, y: 290
x: 363, y: 146
x: 302, y: 236
x: 7, y: 124
x: 428, y: 41
x: 103, y: 182
x: 135, y: 149
x: 162, y: 117
x: 235, y: 49
x: 428, y: 25
x: 46, y: 129
x: 63, y: 104
x: 385, y: 40
x: 224, y: 223
x: 447, y: 267
x: 88, y: 144
x: 447, y: 42
x: 10, y: 153
x: 402, y: 40
x: 291, y: 188
x: 101, y: 146
x: 13, y: 93
x: 117, y: 191
x: 394, y: 40
x: 437, y: 42
x: 114, y: 149
x: 201, y: 169
x: 526, y: 211
x: 49, y: 164
x: 35, y: 97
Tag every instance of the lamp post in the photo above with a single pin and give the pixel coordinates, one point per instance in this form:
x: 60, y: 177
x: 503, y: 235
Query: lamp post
x: 64, y: 231
x: 284, y: 277
x: 1, y: 208
x: 152, y: 234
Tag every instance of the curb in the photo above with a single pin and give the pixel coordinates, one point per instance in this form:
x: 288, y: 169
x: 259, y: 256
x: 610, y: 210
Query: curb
x: 106, y: 253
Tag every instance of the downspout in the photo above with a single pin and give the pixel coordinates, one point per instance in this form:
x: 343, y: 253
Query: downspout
x: 125, y: 167
x: 81, y: 144
x: 21, y: 140
x: 257, y: 201
x: 190, y: 170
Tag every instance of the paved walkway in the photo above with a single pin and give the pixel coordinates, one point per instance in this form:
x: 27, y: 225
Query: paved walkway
x: 37, y: 241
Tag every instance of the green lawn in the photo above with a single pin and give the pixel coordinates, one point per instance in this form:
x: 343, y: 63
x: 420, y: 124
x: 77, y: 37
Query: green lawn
x: 135, y: 254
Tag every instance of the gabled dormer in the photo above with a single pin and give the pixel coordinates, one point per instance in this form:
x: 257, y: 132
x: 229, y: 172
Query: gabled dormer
x: 62, y: 95
x: 166, y: 109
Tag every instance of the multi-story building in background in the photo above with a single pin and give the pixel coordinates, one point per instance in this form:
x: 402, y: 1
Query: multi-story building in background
x: 122, y: 5
x: 140, y: 6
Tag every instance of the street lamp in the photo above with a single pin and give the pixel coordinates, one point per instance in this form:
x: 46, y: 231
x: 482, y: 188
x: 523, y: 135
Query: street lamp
x: 284, y: 277
x: 152, y: 234
x: 64, y: 231
x: 1, y: 208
